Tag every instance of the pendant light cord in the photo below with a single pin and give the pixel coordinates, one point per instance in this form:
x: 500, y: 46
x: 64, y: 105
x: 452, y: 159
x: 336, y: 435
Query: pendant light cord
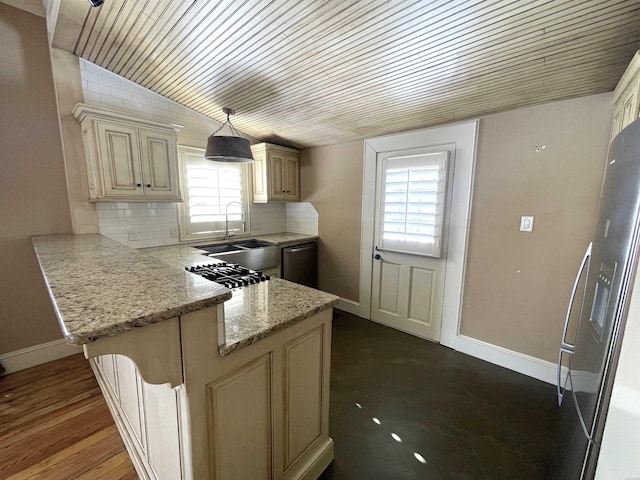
x: 231, y: 127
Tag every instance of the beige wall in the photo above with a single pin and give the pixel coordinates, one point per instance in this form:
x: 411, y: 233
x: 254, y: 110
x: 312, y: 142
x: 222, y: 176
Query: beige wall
x: 517, y: 284
x: 331, y: 179
x: 33, y: 195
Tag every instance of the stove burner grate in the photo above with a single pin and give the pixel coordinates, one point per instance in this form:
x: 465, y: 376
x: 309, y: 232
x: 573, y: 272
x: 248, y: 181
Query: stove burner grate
x: 229, y: 274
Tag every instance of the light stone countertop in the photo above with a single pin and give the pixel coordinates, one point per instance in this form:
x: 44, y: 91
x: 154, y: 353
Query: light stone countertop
x: 100, y: 288
x: 255, y: 311
x: 282, y: 239
x: 286, y: 238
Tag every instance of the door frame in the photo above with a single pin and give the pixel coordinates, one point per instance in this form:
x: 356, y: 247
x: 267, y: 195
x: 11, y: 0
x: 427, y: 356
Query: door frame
x: 464, y: 135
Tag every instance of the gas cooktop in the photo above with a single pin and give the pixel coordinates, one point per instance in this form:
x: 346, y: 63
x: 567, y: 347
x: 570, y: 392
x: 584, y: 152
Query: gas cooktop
x: 229, y: 274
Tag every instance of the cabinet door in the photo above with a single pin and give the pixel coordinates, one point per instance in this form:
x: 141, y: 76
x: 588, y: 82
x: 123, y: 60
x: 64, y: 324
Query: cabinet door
x: 163, y: 431
x: 119, y: 160
x: 629, y: 109
x: 240, y: 422
x: 291, y: 176
x: 128, y: 395
x: 276, y: 177
x: 272, y: 272
x: 616, y: 124
x: 259, y: 168
x: 303, y: 394
x: 159, y: 164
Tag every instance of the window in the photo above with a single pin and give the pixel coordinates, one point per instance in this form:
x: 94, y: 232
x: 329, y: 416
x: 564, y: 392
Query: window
x: 413, y: 203
x: 209, y: 187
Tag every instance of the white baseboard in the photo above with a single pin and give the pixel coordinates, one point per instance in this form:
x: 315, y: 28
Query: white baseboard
x: 349, y: 306
x: 37, y: 355
x: 518, y: 362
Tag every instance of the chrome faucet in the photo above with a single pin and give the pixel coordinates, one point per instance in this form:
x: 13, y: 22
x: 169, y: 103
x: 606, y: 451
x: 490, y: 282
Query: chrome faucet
x: 243, y: 219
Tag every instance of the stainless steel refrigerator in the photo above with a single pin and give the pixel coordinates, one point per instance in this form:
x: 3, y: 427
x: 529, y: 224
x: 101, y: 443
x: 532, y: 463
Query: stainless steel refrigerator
x: 597, y: 312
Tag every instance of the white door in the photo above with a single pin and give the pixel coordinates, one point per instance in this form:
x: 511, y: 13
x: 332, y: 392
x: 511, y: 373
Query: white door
x: 410, y: 229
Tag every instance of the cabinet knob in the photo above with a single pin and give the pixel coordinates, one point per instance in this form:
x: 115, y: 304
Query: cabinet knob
x: 148, y: 185
x: 138, y: 185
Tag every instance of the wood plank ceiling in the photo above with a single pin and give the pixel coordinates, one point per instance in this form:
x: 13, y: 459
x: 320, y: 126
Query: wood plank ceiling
x: 309, y: 73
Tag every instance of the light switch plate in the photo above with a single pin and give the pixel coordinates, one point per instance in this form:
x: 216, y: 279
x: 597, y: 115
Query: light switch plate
x: 526, y: 224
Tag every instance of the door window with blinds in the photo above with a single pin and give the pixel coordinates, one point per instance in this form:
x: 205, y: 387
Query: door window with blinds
x: 209, y: 187
x: 412, y: 203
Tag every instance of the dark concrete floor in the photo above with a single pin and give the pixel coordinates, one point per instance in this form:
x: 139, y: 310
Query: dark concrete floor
x: 468, y: 419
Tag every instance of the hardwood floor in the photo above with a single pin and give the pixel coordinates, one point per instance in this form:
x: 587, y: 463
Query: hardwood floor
x: 54, y: 424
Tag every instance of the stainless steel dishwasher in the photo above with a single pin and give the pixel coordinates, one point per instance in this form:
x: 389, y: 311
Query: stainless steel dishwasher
x: 300, y: 264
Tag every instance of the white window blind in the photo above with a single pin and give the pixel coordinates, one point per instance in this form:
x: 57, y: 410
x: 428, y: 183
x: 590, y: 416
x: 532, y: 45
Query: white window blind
x: 209, y: 187
x: 413, y: 204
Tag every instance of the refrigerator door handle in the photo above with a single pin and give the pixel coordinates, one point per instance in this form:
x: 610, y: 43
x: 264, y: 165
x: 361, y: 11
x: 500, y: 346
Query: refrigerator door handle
x: 585, y: 262
x: 559, y: 384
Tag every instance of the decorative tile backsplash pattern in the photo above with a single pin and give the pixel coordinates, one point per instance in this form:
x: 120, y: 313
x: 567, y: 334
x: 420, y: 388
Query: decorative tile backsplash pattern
x: 141, y: 225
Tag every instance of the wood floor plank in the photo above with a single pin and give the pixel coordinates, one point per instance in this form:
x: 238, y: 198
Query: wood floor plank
x: 112, y: 468
x: 27, y: 429
x: 76, y: 459
x: 22, y: 454
x: 55, y: 424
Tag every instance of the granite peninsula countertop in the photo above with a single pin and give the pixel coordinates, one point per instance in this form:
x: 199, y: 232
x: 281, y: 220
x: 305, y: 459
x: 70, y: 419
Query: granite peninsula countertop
x: 101, y: 288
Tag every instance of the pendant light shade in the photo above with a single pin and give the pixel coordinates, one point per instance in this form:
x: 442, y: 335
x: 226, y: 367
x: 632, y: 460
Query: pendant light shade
x: 233, y: 148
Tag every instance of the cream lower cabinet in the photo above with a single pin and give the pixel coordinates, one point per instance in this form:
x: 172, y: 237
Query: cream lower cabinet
x: 276, y: 173
x: 273, y: 272
x: 129, y: 159
x: 261, y: 412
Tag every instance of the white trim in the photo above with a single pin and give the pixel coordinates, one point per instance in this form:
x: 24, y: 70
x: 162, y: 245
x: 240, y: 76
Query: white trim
x: 518, y: 362
x: 349, y: 306
x: 464, y: 136
x: 37, y: 355
x: 82, y: 110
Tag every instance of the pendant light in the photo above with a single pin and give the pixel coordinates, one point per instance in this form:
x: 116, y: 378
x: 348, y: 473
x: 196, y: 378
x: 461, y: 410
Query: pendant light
x: 233, y: 148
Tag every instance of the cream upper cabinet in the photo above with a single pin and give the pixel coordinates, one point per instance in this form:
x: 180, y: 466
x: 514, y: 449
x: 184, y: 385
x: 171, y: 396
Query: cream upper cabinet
x: 627, y: 97
x: 129, y: 159
x: 276, y: 173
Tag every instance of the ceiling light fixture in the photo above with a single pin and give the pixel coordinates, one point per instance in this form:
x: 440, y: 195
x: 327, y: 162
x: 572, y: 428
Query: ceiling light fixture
x: 221, y: 148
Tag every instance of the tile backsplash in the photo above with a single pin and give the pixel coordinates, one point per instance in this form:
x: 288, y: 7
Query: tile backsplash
x: 302, y: 218
x: 141, y: 225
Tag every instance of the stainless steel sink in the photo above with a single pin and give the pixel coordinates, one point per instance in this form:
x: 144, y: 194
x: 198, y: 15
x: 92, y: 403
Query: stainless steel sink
x: 251, y: 254
x: 252, y: 244
x: 221, y: 248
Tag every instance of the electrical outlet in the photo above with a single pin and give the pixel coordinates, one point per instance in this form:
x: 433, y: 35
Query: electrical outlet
x: 134, y: 234
x: 174, y: 232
